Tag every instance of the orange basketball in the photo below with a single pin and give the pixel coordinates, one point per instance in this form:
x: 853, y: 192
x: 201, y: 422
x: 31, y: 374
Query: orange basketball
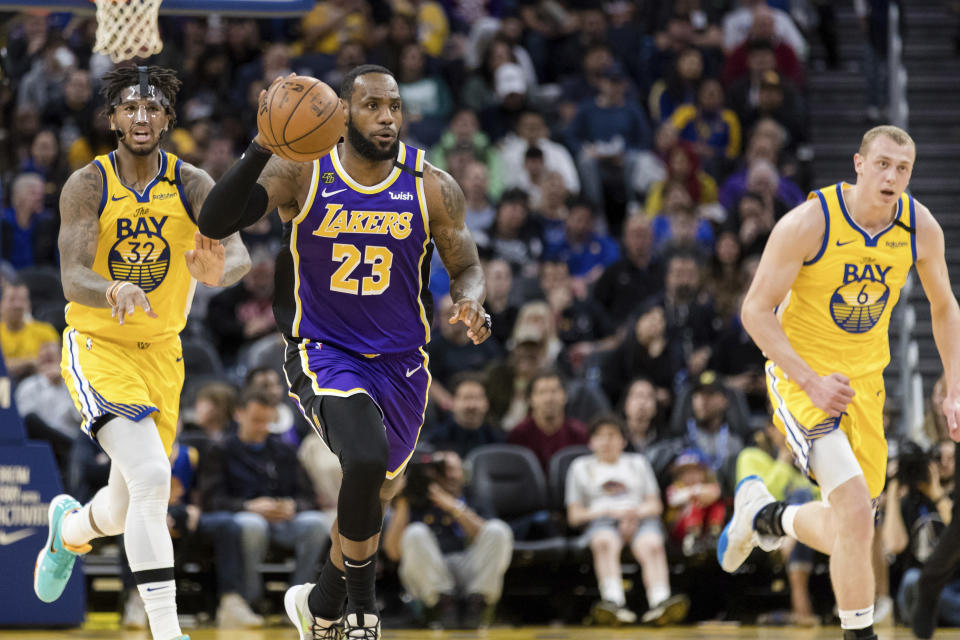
x: 300, y: 118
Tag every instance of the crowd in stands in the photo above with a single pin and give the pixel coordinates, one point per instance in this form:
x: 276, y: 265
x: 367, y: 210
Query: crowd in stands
x: 622, y: 164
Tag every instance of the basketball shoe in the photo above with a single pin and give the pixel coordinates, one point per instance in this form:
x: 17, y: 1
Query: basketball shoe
x: 739, y: 538
x: 309, y: 627
x: 55, y: 561
x: 361, y: 626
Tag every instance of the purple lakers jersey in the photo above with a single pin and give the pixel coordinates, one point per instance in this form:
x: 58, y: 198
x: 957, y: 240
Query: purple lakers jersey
x: 353, y: 271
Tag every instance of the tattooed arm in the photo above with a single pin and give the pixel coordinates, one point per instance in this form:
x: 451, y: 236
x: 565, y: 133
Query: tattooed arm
x: 197, y: 183
x: 287, y: 184
x: 79, y: 232
x: 447, y: 211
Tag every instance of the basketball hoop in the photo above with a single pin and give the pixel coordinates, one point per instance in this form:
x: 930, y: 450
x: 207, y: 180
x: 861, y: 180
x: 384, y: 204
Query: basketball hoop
x: 127, y: 28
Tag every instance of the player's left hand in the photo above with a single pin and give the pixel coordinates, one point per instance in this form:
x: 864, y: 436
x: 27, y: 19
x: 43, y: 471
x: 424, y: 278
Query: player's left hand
x: 206, y: 261
x: 471, y: 313
x: 951, y: 409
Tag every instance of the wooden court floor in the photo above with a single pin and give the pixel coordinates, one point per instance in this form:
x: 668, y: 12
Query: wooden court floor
x: 699, y: 632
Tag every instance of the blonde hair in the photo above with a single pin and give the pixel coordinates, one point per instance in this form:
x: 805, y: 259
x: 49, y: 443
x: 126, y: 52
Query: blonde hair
x: 896, y: 134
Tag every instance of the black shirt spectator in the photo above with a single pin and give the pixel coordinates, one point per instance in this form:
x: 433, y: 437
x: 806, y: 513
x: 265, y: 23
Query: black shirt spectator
x: 635, y: 276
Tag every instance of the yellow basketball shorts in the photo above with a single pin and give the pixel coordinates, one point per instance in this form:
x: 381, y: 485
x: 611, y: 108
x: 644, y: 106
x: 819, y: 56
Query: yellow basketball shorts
x: 802, y: 423
x: 132, y: 381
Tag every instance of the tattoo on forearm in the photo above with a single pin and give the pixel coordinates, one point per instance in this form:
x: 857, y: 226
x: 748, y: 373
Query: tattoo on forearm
x: 197, y: 184
x: 282, y: 179
x: 79, y: 233
x: 237, y: 261
x: 454, y: 242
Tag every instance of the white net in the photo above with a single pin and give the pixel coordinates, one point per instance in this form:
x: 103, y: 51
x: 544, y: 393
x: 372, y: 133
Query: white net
x: 128, y: 28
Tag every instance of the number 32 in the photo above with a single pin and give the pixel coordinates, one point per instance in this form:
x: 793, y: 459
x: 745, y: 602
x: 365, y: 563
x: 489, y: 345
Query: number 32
x: 379, y: 258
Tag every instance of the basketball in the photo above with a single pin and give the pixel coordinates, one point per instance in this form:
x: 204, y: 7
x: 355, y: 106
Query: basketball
x: 300, y: 118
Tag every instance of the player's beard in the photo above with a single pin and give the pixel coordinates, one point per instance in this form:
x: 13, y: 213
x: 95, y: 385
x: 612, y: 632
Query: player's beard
x: 369, y: 149
x: 142, y: 151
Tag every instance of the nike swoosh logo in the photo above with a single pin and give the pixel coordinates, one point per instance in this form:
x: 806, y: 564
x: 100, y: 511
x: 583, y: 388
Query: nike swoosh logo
x: 179, y: 359
x: 16, y: 536
x: 115, y: 198
x: 155, y: 588
x: 840, y: 244
x: 327, y: 194
x: 356, y: 566
x: 410, y: 373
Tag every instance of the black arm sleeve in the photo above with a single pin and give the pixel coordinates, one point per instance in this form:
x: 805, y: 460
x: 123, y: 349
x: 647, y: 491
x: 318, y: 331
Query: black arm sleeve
x: 237, y: 191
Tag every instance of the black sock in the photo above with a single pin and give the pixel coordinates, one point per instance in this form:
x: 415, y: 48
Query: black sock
x: 767, y: 522
x: 328, y: 597
x: 859, y: 634
x: 361, y: 583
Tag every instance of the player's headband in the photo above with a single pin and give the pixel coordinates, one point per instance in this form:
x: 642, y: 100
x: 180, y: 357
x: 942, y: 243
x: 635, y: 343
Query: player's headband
x: 143, y: 90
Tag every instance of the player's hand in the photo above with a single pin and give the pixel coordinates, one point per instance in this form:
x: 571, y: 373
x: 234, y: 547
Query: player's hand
x: 471, y: 313
x: 262, y: 106
x: 831, y: 393
x: 206, y: 262
x: 128, y: 297
x: 951, y: 409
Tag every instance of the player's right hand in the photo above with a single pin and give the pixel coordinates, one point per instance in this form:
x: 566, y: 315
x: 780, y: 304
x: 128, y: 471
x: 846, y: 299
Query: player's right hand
x: 262, y: 105
x: 128, y: 297
x: 831, y: 393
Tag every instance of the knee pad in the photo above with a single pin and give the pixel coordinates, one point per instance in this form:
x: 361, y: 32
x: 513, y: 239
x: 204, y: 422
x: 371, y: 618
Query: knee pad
x: 355, y: 429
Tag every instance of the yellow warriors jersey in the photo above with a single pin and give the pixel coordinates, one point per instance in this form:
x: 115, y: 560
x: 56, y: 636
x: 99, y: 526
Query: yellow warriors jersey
x: 143, y: 239
x: 838, y: 311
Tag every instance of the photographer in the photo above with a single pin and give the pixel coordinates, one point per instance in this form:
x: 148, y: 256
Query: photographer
x: 917, y: 511
x: 449, y: 554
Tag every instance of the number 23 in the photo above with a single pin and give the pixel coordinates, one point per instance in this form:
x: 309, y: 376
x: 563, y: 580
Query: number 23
x: 380, y: 259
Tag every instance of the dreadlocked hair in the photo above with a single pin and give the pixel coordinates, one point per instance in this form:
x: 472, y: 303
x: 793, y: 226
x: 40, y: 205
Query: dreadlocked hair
x: 114, y: 82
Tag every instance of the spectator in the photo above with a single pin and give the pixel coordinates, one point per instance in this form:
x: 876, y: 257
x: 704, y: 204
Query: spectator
x: 755, y: 218
x: 692, y: 323
x: 213, y: 411
x: 514, y: 236
x: 266, y: 379
x: 762, y: 51
x: 773, y: 462
x: 466, y: 427
x: 512, y: 99
x: 535, y: 174
x: 725, y: 275
x: 568, y: 58
x: 635, y: 276
x: 586, y: 250
x: 244, y: 312
x: 532, y: 129
x: 577, y: 88
x: 330, y: 25
x: 707, y: 429
x: 679, y: 87
x: 646, y: 351
x: 27, y: 42
x: 777, y: 99
x: 479, y: 207
x: 426, y: 98
x: 552, y: 213
x: 582, y: 327
x: 547, y: 429
x: 683, y: 166
x: 503, y: 313
x: 644, y: 424
x: 651, y: 165
x: 766, y: 142
x: 43, y: 84
x: 452, y: 351
x: 254, y: 481
x: 616, y: 495
x: 21, y: 337
x: 712, y: 129
x: 46, y: 406
x: 695, y: 513
x: 606, y: 135
x: 533, y: 346
x: 464, y: 130
x: 739, y: 23
x: 73, y: 116
x: 431, y: 19
x: 350, y: 55
x: 28, y: 232
x: 45, y: 161
x: 447, y: 550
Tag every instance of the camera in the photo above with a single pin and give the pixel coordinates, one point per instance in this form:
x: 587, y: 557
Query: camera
x: 422, y: 470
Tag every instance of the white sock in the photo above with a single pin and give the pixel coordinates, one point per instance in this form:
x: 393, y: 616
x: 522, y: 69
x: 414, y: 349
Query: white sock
x: 160, y: 602
x: 857, y: 618
x: 611, y: 589
x: 787, y: 519
x: 657, y: 594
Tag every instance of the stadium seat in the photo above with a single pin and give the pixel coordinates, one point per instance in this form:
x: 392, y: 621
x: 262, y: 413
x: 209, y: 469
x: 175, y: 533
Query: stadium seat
x: 559, y: 464
x: 44, y: 285
x: 509, y: 479
x: 200, y: 359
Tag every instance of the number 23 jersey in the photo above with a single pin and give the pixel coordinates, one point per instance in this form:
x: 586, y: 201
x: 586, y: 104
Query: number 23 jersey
x: 143, y: 238
x: 354, y: 269
x: 837, y: 314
